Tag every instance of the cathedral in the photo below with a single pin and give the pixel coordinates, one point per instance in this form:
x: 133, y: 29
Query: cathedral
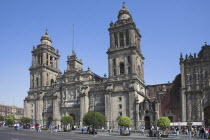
x: 123, y: 92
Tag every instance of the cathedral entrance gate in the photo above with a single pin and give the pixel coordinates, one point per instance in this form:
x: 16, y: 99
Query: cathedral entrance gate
x: 147, y: 122
x: 49, y: 120
x: 207, y: 116
x: 73, y: 116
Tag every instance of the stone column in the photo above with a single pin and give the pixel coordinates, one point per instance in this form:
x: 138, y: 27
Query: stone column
x: 44, y: 78
x: 39, y: 110
x: 131, y: 107
x: 112, y: 40
x: 57, y: 63
x: 137, y: 114
x: 110, y: 67
x: 26, y: 109
x: 108, y: 109
x: 56, y: 110
x: 132, y: 37
x: 83, y: 107
x: 48, y: 60
x: 189, y: 108
x: 44, y: 57
x: 183, y: 104
x: 32, y: 61
x: 53, y: 62
x: 124, y: 38
x: 133, y: 64
x: 31, y: 80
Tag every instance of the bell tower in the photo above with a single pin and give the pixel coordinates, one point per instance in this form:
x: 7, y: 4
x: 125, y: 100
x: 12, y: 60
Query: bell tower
x: 45, y: 64
x: 124, y: 55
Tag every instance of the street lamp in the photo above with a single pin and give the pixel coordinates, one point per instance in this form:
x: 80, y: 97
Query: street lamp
x: 93, y: 96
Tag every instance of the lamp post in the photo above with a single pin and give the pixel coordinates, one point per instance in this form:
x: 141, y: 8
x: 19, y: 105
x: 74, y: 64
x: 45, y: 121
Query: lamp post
x: 94, y: 112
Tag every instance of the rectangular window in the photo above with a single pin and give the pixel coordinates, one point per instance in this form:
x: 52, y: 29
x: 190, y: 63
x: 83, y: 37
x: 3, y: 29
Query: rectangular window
x: 120, y: 106
x: 120, y: 99
x: 120, y: 113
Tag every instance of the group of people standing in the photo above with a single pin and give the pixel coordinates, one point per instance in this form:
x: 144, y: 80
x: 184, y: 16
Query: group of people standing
x: 194, y: 131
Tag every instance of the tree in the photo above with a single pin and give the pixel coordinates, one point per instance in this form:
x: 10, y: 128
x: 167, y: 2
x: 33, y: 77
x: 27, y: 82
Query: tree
x: 1, y: 118
x: 163, y: 122
x: 10, y: 119
x: 11, y: 116
x: 94, y: 118
x: 25, y: 120
x: 66, y: 120
x: 124, y: 121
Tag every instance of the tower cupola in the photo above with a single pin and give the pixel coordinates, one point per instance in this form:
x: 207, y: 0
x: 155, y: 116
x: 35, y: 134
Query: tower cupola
x: 124, y: 13
x: 45, y: 39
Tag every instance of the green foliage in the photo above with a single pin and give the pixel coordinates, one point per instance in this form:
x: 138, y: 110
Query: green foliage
x: 25, y: 120
x: 163, y: 122
x: 94, y: 118
x: 124, y: 121
x: 11, y: 116
x: 43, y: 119
x: 9, y: 121
x: 65, y: 120
x: 1, y: 118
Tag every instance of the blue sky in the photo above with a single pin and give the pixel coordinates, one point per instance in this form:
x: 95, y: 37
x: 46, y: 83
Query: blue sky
x: 168, y: 27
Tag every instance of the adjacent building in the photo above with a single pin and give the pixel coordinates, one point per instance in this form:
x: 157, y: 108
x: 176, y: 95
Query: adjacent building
x: 8, y: 110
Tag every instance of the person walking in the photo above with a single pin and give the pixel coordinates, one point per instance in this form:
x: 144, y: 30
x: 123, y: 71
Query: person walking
x: 56, y: 129
x: 189, y: 132
x: 40, y: 128
x: 142, y: 130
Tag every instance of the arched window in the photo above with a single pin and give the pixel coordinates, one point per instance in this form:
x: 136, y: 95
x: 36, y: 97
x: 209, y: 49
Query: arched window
x: 114, y: 72
x: 121, y: 39
x: 37, y: 81
x: 114, y: 62
x: 127, y: 37
x: 122, y: 68
x: 51, y: 82
x: 129, y: 59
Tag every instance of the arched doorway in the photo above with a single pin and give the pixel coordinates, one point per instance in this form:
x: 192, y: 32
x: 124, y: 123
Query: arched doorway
x: 73, y: 116
x: 49, y: 120
x: 147, y: 122
x: 207, y: 115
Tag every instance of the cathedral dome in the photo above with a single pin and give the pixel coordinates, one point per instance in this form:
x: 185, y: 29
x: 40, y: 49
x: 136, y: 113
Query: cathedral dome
x: 45, y: 39
x: 124, y: 13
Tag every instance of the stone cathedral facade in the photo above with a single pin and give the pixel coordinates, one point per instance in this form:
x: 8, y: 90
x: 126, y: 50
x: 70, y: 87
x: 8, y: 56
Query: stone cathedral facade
x: 53, y: 94
x: 75, y: 92
x: 195, y: 86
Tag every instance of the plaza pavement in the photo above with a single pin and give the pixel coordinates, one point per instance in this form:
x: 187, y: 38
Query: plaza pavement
x: 27, y: 134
